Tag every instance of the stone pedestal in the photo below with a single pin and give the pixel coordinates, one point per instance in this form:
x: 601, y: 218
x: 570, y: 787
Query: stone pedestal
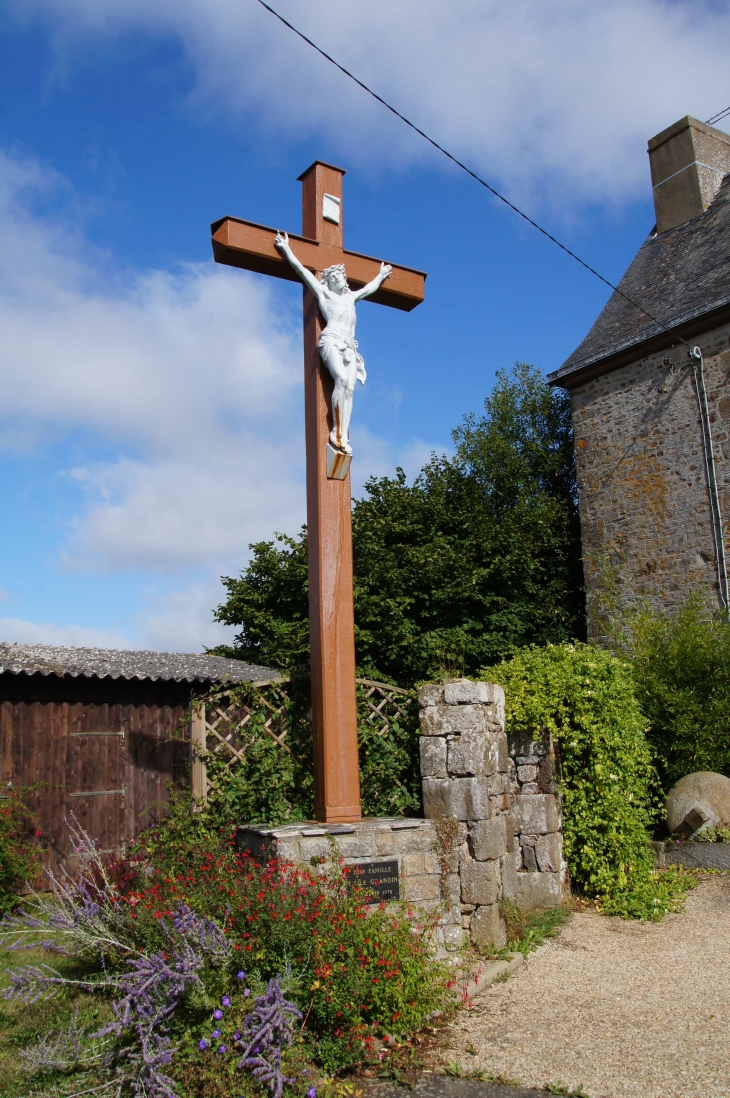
x: 492, y: 828
x: 413, y: 844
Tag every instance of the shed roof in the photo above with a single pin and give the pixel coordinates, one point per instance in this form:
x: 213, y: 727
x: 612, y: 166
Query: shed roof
x: 113, y: 663
x: 678, y: 276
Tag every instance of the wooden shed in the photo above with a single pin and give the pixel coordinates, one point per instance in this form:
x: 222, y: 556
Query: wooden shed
x: 100, y: 733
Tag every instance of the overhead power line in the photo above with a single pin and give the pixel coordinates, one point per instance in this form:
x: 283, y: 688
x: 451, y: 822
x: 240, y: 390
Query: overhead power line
x: 461, y: 165
x: 717, y: 117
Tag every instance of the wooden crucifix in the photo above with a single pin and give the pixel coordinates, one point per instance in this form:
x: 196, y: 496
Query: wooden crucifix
x: 329, y: 519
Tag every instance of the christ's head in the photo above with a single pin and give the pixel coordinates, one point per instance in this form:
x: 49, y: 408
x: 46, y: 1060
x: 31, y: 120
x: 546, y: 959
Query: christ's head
x: 335, y: 278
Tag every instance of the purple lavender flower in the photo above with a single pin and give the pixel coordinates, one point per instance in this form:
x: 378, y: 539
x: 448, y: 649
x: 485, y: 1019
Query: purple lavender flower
x: 312, y: 1092
x: 241, y: 975
x: 268, y: 1030
x: 246, y: 993
x: 236, y: 1036
x: 215, y: 1033
x: 222, y: 1049
x: 217, y: 1014
x: 225, y: 1001
x: 83, y: 914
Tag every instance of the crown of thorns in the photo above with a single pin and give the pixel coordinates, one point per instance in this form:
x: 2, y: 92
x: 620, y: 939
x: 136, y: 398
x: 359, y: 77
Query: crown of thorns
x: 331, y: 270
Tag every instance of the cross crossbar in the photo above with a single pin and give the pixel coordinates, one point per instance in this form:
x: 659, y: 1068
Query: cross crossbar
x: 244, y: 244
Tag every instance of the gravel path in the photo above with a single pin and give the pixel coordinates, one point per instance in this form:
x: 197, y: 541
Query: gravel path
x: 623, y: 1009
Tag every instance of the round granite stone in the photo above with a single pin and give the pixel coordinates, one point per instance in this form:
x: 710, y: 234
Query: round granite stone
x: 705, y: 791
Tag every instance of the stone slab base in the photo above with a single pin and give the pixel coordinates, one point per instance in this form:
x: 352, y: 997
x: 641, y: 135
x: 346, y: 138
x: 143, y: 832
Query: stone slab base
x: 485, y: 976
x: 412, y: 842
x: 692, y: 855
x: 443, y: 1086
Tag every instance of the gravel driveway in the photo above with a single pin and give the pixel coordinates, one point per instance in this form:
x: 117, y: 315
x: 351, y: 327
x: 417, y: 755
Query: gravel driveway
x: 623, y: 1009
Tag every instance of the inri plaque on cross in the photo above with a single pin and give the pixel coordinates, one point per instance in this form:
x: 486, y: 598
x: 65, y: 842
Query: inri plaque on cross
x: 329, y: 524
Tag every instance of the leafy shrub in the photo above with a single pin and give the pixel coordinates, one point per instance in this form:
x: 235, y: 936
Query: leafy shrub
x: 584, y: 697
x: 712, y: 835
x: 19, y: 851
x: 681, y: 668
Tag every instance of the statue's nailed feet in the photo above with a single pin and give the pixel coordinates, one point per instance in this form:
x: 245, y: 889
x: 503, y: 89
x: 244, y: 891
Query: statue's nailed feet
x: 337, y: 444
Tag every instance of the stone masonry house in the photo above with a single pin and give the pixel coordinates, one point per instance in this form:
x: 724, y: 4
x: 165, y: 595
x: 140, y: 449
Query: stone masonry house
x: 652, y: 423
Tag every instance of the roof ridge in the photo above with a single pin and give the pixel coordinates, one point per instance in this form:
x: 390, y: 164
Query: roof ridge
x: 47, y: 659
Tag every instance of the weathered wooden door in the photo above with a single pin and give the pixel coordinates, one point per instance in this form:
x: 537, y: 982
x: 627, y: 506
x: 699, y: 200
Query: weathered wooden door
x: 96, y: 772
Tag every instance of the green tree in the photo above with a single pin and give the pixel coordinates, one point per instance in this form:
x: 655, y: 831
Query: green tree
x: 480, y: 555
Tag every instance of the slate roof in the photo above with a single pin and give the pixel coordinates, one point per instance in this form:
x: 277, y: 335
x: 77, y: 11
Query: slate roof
x: 678, y: 276
x: 113, y: 663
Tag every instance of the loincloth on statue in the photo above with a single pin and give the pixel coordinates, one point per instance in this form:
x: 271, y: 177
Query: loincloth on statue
x: 346, y: 347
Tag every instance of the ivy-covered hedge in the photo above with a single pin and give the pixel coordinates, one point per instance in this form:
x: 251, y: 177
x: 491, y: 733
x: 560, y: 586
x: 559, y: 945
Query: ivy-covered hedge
x: 585, y: 697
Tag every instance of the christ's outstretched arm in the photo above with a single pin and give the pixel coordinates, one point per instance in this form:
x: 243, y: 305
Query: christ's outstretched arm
x: 366, y: 291
x: 281, y: 242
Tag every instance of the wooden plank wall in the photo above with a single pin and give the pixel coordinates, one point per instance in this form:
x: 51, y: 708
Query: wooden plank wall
x: 104, y: 749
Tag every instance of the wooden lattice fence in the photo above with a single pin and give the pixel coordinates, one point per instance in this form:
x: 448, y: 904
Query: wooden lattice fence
x: 225, y: 725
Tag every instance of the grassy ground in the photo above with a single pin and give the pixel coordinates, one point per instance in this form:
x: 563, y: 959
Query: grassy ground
x: 527, y: 930
x: 21, y: 1026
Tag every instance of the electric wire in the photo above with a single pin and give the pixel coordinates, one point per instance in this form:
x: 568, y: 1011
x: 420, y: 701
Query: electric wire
x: 717, y: 117
x: 694, y: 353
x: 463, y: 166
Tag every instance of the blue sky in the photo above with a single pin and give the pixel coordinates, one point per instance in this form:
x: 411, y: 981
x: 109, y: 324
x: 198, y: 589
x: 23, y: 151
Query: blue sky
x: 151, y: 409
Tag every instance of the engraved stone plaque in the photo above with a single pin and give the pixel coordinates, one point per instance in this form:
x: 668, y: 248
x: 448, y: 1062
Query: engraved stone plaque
x: 379, y: 878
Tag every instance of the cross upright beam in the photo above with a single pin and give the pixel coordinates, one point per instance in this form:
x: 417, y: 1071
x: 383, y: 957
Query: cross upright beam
x: 244, y: 244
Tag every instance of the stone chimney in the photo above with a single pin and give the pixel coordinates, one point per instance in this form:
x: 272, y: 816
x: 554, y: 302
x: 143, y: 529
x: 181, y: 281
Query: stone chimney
x: 687, y: 162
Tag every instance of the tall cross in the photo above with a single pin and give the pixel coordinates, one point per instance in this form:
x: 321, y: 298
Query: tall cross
x: 329, y: 518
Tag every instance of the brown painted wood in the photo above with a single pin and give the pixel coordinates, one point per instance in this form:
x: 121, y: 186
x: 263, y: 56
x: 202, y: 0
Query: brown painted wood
x: 60, y: 735
x: 249, y: 246
x: 329, y: 525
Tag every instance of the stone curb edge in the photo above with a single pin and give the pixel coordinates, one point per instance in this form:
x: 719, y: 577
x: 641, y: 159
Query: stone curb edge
x: 486, y: 976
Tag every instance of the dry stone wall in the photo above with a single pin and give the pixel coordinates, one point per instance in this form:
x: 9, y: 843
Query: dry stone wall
x: 540, y: 875
x: 644, y: 504
x: 500, y: 800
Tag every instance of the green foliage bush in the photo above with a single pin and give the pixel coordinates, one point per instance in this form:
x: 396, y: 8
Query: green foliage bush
x: 584, y: 697
x: 275, y: 785
x: 19, y: 851
x: 681, y: 667
x: 480, y: 555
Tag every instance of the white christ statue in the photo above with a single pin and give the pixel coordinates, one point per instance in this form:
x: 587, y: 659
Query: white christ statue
x: 337, y: 344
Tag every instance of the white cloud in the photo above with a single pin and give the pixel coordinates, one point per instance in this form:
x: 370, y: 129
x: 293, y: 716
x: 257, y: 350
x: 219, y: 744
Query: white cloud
x: 182, y: 622
x: 549, y: 97
x: 18, y: 631
x: 193, y: 378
